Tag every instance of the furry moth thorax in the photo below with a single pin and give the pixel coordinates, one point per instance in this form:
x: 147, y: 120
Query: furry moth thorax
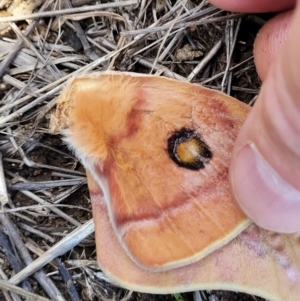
x: 92, y: 116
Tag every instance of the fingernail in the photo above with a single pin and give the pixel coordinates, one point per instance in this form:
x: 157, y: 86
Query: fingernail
x: 262, y: 194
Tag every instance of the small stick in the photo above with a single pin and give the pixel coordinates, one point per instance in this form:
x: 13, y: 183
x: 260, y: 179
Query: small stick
x: 230, y: 54
x: 30, y: 163
x: 145, y: 62
x: 229, y: 46
x: 30, y: 296
x: 54, y: 209
x: 36, y: 250
x: 3, y: 190
x: 5, y: 292
x: 205, y: 60
x: 166, y: 35
x: 6, y: 62
x: 82, y: 2
x: 143, y: 6
x: 68, y: 280
x: 153, y: 28
x: 148, y: 63
x: 46, y: 184
x: 40, y: 276
x: 18, y: 84
x: 197, y: 296
x: 63, y: 195
x: 221, y: 73
x: 88, y: 50
x: 54, y: 71
x: 24, y: 217
x: 175, y: 39
x: 67, y: 176
x: 13, y: 259
x: 36, y: 232
x: 63, y: 12
x: 63, y: 246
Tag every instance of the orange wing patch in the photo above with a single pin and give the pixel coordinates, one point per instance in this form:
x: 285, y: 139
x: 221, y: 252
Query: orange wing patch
x: 160, y: 150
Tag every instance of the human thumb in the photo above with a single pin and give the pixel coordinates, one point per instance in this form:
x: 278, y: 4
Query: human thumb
x: 265, y: 167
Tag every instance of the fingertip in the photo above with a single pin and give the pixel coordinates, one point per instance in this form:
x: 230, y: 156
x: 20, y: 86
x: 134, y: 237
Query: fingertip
x: 270, y: 41
x: 253, y: 6
x: 262, y: 194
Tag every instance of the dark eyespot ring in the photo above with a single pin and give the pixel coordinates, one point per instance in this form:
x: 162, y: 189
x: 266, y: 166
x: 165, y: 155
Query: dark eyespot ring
x: 188, y: 149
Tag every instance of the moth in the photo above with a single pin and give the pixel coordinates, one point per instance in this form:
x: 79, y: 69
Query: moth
x: 157, y: 152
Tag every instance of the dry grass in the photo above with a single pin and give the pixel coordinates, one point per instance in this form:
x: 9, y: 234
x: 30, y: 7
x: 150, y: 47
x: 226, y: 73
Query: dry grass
x: 47, y: 196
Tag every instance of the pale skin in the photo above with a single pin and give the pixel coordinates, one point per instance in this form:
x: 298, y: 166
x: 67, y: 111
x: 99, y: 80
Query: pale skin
x: 265, y: 169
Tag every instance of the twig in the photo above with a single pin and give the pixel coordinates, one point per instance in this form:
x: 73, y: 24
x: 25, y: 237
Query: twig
x: 52, y: 208
x: 13, y: 259
x: 221, y: 73
x: 205, y: 60
x: 82, y: 2
x: 22, y: 216
x: 61, y: 196
x: 40, y: 207
x: 230, y: 54
x: 53, y: 71
x: 167, y: 34
x: 46, y: 184
x: 3, y: 190
x: 36, y: 232
x: 6, y: 62
x: 68, y: 280
x: 197, y: 296
x: 40, y: 276
x: 175, y: 39
x: 30, y: 163
x: 148, y: 63
x: 29, y: 296
x: 182, y: 25
x: 88, y: 50
x: 14, y: 297
x: 66, y: 244
x: 63, y: 12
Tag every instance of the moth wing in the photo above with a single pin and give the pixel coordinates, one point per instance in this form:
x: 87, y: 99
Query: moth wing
x: 256, y: 262
x: 166, y: 215
x: 140, y: 136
